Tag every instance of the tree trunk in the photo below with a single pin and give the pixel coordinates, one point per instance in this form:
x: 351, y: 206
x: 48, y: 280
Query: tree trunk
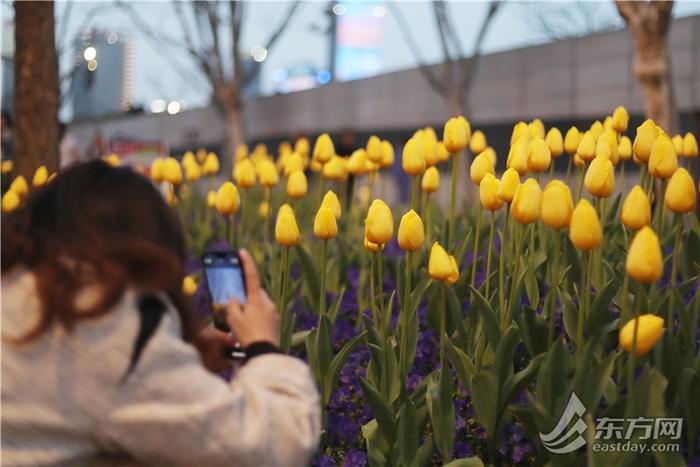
x: 649, y: 24
x: 231, y: 107
x: 36, y: 138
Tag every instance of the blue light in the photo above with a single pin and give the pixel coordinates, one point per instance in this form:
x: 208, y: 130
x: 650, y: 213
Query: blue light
x: 323, y: 77
x: 279, y: 75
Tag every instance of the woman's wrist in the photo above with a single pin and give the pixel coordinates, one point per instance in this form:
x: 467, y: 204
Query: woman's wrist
x: 257, y: 348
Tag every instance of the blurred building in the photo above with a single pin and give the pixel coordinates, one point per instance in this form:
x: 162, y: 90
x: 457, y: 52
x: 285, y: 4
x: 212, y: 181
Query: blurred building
x: 8, y: 66
x: 102, y: 80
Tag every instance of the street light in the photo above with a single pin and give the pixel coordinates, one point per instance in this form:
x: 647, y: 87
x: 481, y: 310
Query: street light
x: 174, y: 107
x: 259, y: 53
x: 90, y: 53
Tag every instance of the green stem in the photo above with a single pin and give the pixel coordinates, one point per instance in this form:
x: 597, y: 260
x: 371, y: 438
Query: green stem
x: 488, y: 256
x: 372, y: 295
x: 475, y: 259
x: 568, y: 170
x: 229, y: 229
x: 322, y: 298
x: 660, y: 207
x: 380, y: 280
x: 583, y: 300
x: 428, y: 220
x: 443, y: 311
x: 266, y: 227
x: 284, y: 315
x: 555, y: 283
x: 453, y: 200
x: 415, y: 193
x: 404, y: 318
x: 581, y: 176
x: 674, y: 268
x: 633, y: 361
x: 514, y: 279
x: 622, y: 176
x: 319, y: 190
x: 501, y: 267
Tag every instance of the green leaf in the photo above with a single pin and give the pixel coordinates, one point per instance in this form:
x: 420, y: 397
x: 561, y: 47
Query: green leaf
x: 408, y: 439
x: 552, y: 388
x: 463, y: 365
x: 311, y: 354
x: 337, y: 364
x: 382, y: 412
x: 312, y: 277
x: 408, y: 340
x: 333, y: 310
x: 485, y: 399
x: 600, y: 309
x: 376, y: 445
x: 324, y: 345
x: 569, y: 313
x: 418, y: 292
x: 491, y: 326
x: 455, y: 308
x: 519, y: 380
x: 426, y: 450
x: 441, y: 410
x: 534, y: 331
x: 531, y: 288
x: 465, y: 462
x: 299, y: 337
x: 504, y: 354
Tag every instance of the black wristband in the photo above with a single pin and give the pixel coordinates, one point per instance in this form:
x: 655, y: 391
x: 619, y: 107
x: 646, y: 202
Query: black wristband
x: 260, y: 348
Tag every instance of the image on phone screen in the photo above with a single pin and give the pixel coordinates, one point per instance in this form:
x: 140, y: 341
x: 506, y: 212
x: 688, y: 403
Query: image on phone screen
x: 224, y: 277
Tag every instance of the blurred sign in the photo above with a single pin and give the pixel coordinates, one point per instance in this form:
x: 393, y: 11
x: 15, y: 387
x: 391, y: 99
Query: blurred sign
x: 136, y: 152
x: 359, y: 39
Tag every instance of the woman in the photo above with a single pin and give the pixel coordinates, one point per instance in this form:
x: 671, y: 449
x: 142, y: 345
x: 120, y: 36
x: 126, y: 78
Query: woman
x: 98, y: 356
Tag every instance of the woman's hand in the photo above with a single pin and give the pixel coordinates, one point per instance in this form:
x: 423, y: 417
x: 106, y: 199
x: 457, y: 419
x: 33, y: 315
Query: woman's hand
x: 212, y: 345
x: 257, y: 320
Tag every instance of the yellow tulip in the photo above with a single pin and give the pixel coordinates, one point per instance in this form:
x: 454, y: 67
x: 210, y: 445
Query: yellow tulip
x: 572, y: 140
x: 227, y: 199
x: 443, y: 155
x: 325, y: 226
x: 41, y: 175
x: 244, y: 173
x: 268, y: 173
x: 520, y: 132
x: 357, y: 162
x: 527, y: 202
x: 211, y: 164
x: 296, y: 185
x: 456, y: 134
x: 379, y: 224
x: 644, y: 261
x: 578, y: 162
x: 624, y: 149
x: 172, y: 172
x: 510, y: 180
x: 286, y: 229
x: 636, y: 210
x: 439, y: 264
x: 412, y: 160
x: 650, y: 328
x: 690, y: 146
x: 600, y: 177
x: 411, y: 232
x: 536, y: 128
x: 188, y: 158
x: 331, y: 200
x: 586, y: 148
x: 10, y: 201
x: 620, y: 119
x: 374, y: 149
x: 431, y: 180
x: 6, y: 167
x: 302, y: 146
x: 678, y: 144
x: 643, y: 142
x: 371, y: 247
x: 607, y: 145
x: 336, y: 169
x: 193, y: 172
x: 585, y: 231
x: 387, y: 154
x: 481, y: 165
x: 324, y: 149
x: 264, y: 209
x: 538, y: 155
x: 454, y: 276
x: 680, y: 193
x: 170, y: 197
x: 488, y: 193
x: 158, y: 170
x: 477, y: 143
x: 201, y: 155
x: 189, y: 286
x: 517, y: 157
x: 112, y: 160
x: 663, y: 161
x: 430, y: 151
x: 211, y: 199
x: 596, y: 129
x: 555, y: 142
x: 557, y: 205
x: 241, y: 152
x: 293, y: 162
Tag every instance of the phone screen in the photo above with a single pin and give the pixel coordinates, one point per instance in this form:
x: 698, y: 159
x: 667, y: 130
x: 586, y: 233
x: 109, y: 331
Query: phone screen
x: 225, y: 280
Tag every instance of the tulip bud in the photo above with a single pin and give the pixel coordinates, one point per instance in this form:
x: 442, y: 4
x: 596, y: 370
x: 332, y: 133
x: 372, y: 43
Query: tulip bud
x: 520, y: 132
x: 650, y: 328
x: 325, y: 226
x: 620, y: 119
x: 585, y: 231
x: 374, y: 149
x: 557, y: 205
x: 536, y: 128
x: 578, y: 162
x: 302, y: 146
x: 481, y: 165
x: 663, y: 161
x: 40, y: 176
x: 477, y: 143
x: 555, y: 142
x: 430, y: 150
x: 211, y: 199
x: 112, y: 160
x: 192, y: 171
x: 188, y: 158
x: 411, y: 232
x: 488, y: 193
x: 172, y: 172
x: 379, y: 224
x: 527, y: 202
x: 268, y: 173
x: 443, y: 155
x: 596, y: 130
x: 211, y: 164
x: 586, y: 148
x: 517, y: 157
x: 324, y: 149
x: 644, y: 261
x: 412, y: 161
x: 572, y: 140
x: 331, y: 200
x: 456, y: 134
x: 227, y: 199
x: 439, y: 264
x: 690, y: 146
x: 296, y: 185
x: 643, y: 142
x: 371, y: 247
x: 286, y: 229
x: 336, y: 169
x: 677, y: 144
x: 241, y: 152
x: 6, y: 167
x: 244, y: 173
x: 158, y: 170
x: 607, y: 146
x: 600, y: 177
x: 680, y: 192
x: 624, y: 149
x: 510, y: 180
x: 454, y: 276
x: 293, y: 162
x: 636, y: 210
x: 264, y: 209
x: 189, y: 286
x: 10, y: 201
x: 357, y: 162
x: 431, y: 180
x: 490, y: 153
x: 538, y: 155
x: 387, y: 154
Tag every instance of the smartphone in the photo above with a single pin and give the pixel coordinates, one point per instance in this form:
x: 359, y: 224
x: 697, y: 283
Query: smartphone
x: 225, y: 280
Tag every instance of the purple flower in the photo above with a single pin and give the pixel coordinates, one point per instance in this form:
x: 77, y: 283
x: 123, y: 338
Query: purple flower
x: 355, y: 458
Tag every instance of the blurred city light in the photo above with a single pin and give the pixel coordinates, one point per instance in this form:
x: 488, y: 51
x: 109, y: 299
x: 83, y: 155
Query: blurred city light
x: 323, y: 77
x: 339, y: 9
x: 378, y: 11
x: 112, y: 38
x: 90, y: 53
x: 92, y: 65
x: 158, y: 106
x: 259, y: 53
x: 279, y: 75
x: 174, y: 107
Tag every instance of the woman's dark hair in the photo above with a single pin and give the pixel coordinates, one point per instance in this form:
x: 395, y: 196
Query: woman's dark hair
x: 94, y: 223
